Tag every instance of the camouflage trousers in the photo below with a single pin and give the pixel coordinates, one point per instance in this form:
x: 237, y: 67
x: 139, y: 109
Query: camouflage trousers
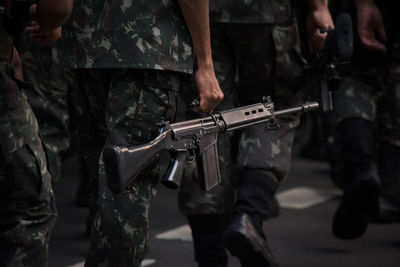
x: 376, y: 101
x: 27, y: 206
x: 49, y: 98
x: 126, y: 105
x: 251, y: 61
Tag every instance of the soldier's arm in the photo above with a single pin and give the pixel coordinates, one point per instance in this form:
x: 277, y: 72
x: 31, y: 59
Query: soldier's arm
x: 370, y: 25
x: 196, y: 14
x: 50, y: 14
x: 47, y: 17
x: 318, y: 18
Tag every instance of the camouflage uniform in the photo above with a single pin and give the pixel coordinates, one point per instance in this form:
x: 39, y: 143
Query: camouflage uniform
x: 49, y: 97
x: 371, y: 91
x: 27, y: 206
x: 130, y: 58
x: 257, y: 45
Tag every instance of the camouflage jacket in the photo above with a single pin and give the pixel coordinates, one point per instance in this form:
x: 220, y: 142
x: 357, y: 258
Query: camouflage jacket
x: 141, y: 34
x: 251, y: 11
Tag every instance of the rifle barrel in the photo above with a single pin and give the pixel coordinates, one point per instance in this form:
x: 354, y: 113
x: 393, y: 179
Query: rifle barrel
x: 302, y: 108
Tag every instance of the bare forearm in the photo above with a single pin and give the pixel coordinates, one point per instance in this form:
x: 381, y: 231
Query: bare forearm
x: 317, y: 4
x: 197, y: 21
x: 196, y: 14
x: 51, y: 14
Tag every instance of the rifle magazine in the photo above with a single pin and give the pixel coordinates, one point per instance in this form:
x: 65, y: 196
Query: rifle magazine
x: 210, y: 161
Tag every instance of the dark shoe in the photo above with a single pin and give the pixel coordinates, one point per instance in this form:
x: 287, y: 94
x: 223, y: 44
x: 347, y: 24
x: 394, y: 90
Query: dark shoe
x: 388, y: 212
x: 244, y: 241
x: 359, y: 202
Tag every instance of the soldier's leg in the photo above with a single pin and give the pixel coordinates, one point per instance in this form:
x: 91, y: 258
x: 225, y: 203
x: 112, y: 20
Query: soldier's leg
x: 267, y: 66
x: 49, y: 99
x: 27, y: 206
x: 354, y: 167
x: 388, y: 137
x: 208, y: 212
x: 137, y: 101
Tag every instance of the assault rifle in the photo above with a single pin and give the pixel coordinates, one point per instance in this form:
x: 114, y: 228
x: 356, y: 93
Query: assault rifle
x: 186, y: 139
x: 338, y: 50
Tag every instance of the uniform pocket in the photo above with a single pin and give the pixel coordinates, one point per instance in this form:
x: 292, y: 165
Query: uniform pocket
x: 24, y: 162
x: 290, y: 72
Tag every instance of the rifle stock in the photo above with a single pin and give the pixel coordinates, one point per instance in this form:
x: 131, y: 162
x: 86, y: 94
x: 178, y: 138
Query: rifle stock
x: 119, y: 173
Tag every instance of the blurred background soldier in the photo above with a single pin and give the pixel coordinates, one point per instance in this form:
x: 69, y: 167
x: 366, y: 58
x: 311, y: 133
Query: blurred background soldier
x: 257, y: 52
x: 130, y: 58
x: 48, y: 98
x: 58, y: 106
x: 367, y: 156
x: 27, y: 204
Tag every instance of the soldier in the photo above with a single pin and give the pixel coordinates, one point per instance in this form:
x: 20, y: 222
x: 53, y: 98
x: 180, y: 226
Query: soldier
x: 130, y: 58
x: 48, y: 97
x: 368, y: 130
x: 27, y: 204
x: 256, y: 44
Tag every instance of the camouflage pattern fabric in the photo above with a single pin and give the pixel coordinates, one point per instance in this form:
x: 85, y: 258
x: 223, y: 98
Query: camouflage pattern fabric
x: 27, y: 205
x: 134, y: 53
x: 48, y: 97
x: 371, y: 90
x: 251, y: 11
x: 251, y: 61
x: 109, y: 34
x: 136, y: 101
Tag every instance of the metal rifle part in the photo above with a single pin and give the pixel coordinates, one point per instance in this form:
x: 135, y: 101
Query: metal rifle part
x: 338, y: 50
x: 184, y: 140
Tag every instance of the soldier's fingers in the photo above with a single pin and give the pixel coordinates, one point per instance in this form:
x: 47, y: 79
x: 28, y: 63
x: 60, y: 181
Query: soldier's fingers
x: 37, y: 36
x: 317, y: 41
x: 32, y: 29
x: 372, y: 43
x: 382, y: 33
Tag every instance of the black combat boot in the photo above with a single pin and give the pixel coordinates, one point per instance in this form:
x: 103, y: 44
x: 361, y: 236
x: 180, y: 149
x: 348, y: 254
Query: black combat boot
x: 207, y: 231
x: 244, y: 241
x: 244, y: 238
x: 360, y: 181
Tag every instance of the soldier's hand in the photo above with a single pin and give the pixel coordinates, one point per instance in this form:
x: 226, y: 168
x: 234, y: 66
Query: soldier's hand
x: 370, y: 26
x: 209, y: 91
x: 16, y: 62
x: 318, y: 22
x: 42, y: 37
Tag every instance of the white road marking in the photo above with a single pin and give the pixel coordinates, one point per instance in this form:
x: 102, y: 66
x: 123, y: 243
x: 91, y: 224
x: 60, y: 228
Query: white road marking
x: 180, y: 233
x: 79, y: 264
x: 145, y: 262
x: 304, y: 197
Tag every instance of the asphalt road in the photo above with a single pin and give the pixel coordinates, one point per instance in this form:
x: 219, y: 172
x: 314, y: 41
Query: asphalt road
x: 300, y: 236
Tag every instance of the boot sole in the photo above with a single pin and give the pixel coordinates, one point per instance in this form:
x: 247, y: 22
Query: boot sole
x: 248, y: 252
